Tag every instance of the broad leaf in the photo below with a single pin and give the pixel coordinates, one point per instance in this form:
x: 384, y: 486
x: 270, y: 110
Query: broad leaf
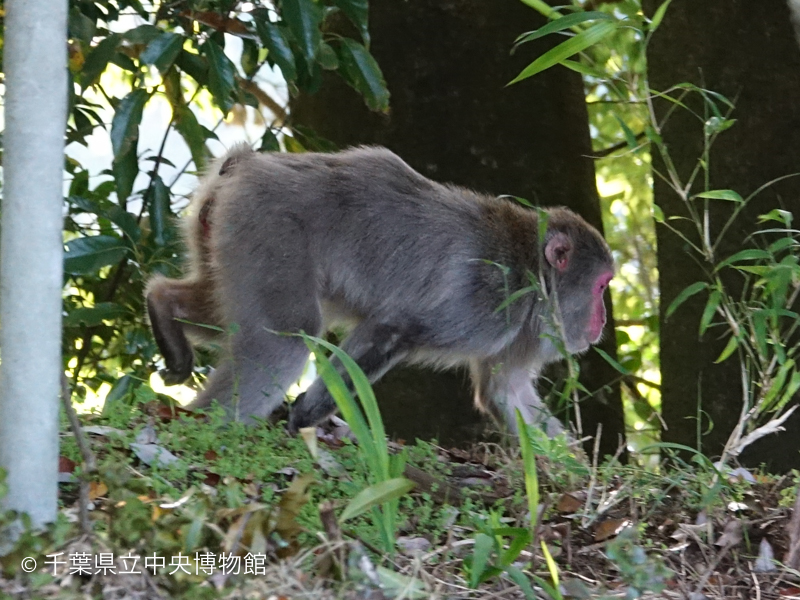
x: 88, y: 254
x: 304, y: 18
x: 160, y: 213
x: 358, y: 12
x: 362, y: 72
x: 162, y: 51
x: 125, y: 169
x: 125, y: 124
x: 94, y: 315
x: 97, y: 60
x: 193, y: 134
x: 276, y: 42
x: 221, y: 74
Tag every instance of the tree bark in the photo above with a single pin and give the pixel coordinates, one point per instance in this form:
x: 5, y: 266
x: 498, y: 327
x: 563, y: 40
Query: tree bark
x: 748, y: 52
x: 447, y: 64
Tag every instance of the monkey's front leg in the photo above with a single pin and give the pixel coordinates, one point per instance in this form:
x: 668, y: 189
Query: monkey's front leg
x: 374, y: 347
x: 504, y: 389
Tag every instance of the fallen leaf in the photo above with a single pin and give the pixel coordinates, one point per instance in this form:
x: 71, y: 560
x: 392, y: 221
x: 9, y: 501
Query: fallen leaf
x: 569, y: 503
x: 412, y: 546
x: 765, y: 563
x: 153, y: 454
x: 97, y: 489
x: 66, y: 465
x: 610, y: 528
x: 731, y: 535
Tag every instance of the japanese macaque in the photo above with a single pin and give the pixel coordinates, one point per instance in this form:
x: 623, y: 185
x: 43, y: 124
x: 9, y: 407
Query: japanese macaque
x: 422, y: 272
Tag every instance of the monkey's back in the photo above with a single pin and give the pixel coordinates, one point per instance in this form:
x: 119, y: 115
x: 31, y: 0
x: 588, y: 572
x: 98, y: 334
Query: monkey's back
x: 366, y: 226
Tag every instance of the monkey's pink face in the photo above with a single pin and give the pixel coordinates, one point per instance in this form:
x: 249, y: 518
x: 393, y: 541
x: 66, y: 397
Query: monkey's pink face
x: 597, y: 319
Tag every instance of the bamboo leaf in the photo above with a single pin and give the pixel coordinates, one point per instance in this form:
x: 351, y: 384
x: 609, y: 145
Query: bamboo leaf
x: 562, y: 23
x: 687, y: 293
x: 728, y: 195
x: 564, y: 50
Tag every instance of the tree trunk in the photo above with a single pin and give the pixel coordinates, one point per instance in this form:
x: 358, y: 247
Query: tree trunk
x: 35, y: 68
x: 748, y: 52
x: 447, y: 63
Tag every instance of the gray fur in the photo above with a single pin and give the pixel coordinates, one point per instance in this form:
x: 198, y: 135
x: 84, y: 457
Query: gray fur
x: 291, y: 242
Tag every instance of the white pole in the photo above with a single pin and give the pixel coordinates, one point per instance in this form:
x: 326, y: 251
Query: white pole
x: 31, y: 248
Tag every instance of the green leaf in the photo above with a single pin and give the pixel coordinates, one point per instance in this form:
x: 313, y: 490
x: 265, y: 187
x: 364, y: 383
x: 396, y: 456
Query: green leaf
x: 328, y: 59
x: 564, y: 50
x: 162, y: 51
x: 362, y: 72
x: 89, y: 254
x: 276, y: 42
x: 376, y: 495
x: 396, y: 585
x: 160, y: 213
x: 304, y: 18
x: 565, y: 22
x: 630, y: 137
x: 193, y: 134
x: 659, y: 15
x: 249, y: 57
x: 125, y: 169
x: 480, y: 558
x: 542, y: 7
x: 728, y: 195
x: 94, y: 315
x: 529, y: 466
x: 583, y: 69
x: 708, y: 313
x: 690, y: 291
x: 121, y: 388
x: 143, y: 34
x: 777, y: 214
x: 358, y: 12
x: 607, y: 357
x: 97, y: 60
x: 520, y: 538
x: 125, y: 124
x: 194, y: 65
x: 518, y: 577
x: 125, y: 221
x: 732, y: 344
x: 269, y: 142
x: 750, y: 254
x: 221, y: 74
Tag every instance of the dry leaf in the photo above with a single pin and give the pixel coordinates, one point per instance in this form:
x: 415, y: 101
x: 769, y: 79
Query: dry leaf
x: 610, y: 528
x: 97, y: 489
x: 569, y: 503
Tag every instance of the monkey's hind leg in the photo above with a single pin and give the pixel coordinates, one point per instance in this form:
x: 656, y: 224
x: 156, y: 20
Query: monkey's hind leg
x: 253, y: 379
x: 374, y: 347
x: 501, y: 391
x: 172, y: 306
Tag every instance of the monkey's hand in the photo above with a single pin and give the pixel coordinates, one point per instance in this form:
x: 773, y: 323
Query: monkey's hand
x: 172, y: 377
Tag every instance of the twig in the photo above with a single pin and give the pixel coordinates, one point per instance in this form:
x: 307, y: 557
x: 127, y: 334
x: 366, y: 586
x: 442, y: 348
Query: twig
x: 89, y: 460
x: 792, y: 559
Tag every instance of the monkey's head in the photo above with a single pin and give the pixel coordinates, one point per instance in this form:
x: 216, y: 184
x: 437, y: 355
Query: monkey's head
x: 581, y: 267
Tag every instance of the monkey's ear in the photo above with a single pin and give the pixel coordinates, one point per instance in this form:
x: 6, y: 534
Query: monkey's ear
x: 558, y: 250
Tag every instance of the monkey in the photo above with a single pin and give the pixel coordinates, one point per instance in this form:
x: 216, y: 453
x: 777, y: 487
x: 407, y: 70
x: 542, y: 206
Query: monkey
x: 422, y: 272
